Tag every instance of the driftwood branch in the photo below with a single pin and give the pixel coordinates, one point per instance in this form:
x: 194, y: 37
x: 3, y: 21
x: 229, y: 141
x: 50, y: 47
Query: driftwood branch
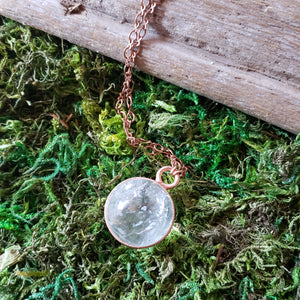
x: 244, y: 54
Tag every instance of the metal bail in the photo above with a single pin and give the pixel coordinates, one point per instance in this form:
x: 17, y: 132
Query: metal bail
x: 165, y: 185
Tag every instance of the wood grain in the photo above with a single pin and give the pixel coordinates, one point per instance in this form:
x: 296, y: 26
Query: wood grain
x: 244, y: 54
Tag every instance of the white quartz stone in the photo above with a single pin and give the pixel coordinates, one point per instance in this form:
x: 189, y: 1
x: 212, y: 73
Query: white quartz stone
x: 139, y: 212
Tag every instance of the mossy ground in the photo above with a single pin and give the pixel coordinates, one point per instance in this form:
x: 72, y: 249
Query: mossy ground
x: 62, y: 149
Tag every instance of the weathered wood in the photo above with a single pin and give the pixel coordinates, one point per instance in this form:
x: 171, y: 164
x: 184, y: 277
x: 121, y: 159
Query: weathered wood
x: 244, y: 54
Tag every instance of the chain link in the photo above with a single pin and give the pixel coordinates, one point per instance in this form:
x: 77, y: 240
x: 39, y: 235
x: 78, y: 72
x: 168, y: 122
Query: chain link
x: 125, y: 98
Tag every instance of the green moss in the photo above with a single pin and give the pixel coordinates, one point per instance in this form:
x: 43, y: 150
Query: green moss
x: 236, y: 234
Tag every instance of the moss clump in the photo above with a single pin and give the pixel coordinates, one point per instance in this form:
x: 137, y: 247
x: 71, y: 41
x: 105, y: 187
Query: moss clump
x: 62, y: 150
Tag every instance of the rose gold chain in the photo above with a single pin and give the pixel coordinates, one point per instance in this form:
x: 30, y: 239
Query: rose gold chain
x: 125, y: 99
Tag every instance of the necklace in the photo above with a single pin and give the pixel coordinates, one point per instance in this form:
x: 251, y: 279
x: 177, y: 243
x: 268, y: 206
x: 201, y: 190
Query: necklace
x: 139, y: 212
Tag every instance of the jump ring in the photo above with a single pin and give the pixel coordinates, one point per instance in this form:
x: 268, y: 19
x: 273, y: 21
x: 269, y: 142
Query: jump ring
x: 165, y: 185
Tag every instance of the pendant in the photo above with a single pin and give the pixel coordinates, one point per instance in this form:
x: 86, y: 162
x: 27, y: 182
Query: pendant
x: 139, y: 212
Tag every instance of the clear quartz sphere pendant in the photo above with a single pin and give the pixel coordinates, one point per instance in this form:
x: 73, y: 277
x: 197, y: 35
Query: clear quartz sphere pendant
x: 139, y: 212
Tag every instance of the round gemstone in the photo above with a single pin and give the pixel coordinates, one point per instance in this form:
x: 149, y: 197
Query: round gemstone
x: 139, y: 212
